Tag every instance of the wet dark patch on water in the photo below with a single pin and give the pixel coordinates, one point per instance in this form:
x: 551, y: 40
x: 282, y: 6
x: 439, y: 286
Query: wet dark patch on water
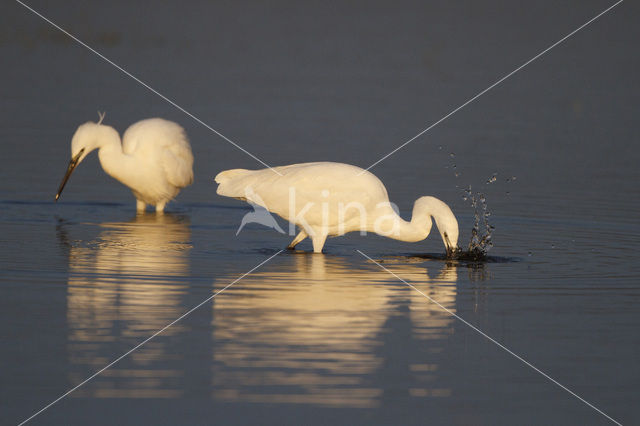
x: 462, y: 258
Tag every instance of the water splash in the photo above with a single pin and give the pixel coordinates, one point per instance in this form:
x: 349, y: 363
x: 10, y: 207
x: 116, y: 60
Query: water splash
x: 481, y: 234
x: 482, y: 229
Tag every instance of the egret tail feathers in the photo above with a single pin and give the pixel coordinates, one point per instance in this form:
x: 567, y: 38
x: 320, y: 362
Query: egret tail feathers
x: 223, y: 177
x: 232, y: 184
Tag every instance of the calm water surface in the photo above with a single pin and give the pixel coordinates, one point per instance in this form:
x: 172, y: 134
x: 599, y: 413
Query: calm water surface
x: 324, y: 339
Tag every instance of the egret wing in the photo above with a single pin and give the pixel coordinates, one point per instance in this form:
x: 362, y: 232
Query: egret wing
x: 177, y: 161
x: 165, y: 143
x: 304, y: 184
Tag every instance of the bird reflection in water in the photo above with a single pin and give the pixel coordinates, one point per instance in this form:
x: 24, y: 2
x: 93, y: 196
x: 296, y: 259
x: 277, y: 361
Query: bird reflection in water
x: 319, y: 330
x: 123, y: 286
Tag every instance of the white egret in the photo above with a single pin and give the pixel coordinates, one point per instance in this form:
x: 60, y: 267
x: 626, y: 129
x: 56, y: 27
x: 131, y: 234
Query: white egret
x: 330, y: 199
x: 154, y: 158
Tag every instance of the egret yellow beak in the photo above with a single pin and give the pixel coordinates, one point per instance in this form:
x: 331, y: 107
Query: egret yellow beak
x: 72, y: 165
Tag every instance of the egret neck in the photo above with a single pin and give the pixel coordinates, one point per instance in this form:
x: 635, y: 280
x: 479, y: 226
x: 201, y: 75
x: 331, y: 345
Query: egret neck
x: 425, y: 210
x: 114, y: 161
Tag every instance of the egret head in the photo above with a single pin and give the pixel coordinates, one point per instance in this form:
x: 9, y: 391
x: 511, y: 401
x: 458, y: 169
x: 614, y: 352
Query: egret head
x: 450, y: 239
x: 85, y: 139
x: 445, y: 221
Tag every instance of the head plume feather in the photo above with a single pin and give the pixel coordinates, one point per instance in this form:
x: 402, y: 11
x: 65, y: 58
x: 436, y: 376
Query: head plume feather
x: 101, y: 116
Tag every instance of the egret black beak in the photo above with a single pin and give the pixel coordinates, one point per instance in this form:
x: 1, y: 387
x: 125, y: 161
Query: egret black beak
x: 72, y: 165
x: 451, y: 250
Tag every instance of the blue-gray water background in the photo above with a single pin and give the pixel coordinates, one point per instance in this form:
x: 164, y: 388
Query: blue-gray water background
x: 323, y: 339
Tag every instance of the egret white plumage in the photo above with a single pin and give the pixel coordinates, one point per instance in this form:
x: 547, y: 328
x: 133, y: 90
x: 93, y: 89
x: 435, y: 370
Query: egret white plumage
x: 154, y: 158
x: 331, y: 199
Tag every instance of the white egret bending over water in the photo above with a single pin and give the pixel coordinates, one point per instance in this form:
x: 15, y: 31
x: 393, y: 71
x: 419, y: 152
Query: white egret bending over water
x: 154, y: 158
x: 330, y: 199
